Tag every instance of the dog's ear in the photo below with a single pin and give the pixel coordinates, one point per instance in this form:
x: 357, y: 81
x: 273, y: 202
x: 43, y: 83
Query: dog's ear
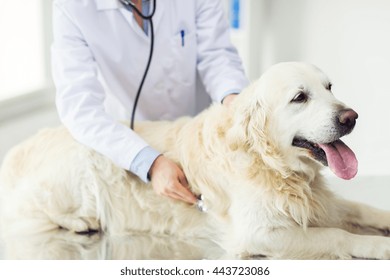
x: 248, y: 113
x: 250, y: 128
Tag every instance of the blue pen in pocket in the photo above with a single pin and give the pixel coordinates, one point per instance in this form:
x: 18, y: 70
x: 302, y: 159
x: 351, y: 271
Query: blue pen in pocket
x: 182, y: 37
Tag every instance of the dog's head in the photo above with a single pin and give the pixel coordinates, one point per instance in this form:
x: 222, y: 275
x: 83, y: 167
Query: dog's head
x: 291, y: 114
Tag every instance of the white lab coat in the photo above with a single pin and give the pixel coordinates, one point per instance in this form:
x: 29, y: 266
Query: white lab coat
x: 99, y: 55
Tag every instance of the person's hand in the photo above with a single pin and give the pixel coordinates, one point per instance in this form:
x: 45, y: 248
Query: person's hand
x: 229, y: 99
x: 169, y: 180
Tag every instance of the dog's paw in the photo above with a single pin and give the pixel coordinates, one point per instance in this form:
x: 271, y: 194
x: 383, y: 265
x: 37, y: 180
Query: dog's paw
x: 375, y: 247
x: 87, y: 225
x: 80, y: 224
x: 383, y: 252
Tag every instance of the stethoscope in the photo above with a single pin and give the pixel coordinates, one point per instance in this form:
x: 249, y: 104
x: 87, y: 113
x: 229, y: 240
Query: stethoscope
x: 130, y: 5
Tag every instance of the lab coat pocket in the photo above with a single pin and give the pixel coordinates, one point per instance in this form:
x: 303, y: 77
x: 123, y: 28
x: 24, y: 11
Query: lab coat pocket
x: 183, y: 49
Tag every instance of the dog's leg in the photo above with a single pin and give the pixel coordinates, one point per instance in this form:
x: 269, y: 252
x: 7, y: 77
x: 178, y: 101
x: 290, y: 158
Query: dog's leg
x: 69, y: 208
x: 364, y: 219
x: 320, y: 243
x: 75, y: 223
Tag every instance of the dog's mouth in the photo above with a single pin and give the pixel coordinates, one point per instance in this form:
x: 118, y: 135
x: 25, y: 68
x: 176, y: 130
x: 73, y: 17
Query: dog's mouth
x: 338, y: 156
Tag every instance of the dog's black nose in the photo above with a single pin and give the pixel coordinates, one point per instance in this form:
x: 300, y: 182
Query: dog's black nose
x: 347, y: 119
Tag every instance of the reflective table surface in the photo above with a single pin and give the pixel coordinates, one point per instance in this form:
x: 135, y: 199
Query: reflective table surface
x: 65, y: 245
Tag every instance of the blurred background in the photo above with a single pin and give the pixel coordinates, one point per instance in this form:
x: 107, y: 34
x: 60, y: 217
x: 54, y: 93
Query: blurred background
x: 349, y: 40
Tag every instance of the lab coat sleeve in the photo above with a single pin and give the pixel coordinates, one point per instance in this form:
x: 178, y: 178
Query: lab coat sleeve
x: 143, y: 162
x: 218, y: 63
x: 80, y: 96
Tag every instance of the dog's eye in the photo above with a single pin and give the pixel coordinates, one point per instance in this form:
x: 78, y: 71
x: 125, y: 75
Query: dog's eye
x: 301, y: 97
x: 329, y: 87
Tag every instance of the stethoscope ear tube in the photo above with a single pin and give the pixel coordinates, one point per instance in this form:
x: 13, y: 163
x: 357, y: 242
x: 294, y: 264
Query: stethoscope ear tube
x: 129, y: 4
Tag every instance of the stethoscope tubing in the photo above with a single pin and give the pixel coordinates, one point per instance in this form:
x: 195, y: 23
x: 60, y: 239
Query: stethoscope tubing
x: 128, y: 4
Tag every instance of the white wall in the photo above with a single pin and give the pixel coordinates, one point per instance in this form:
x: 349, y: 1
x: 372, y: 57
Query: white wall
x: 350, y: 41
x: 22, y: 48
x: 25, y: 75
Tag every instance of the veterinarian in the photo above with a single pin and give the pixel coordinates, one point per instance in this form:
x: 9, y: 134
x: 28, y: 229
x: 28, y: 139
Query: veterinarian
x: 99, y: 55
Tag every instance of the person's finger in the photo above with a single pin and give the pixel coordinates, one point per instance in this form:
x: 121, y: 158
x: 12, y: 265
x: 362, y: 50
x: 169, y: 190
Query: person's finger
x: 185, y: 193
x: 183, y: 181
x: 180, y: 193
x: 183, y: 198
x: 175, y: 196
x: 185, y: 189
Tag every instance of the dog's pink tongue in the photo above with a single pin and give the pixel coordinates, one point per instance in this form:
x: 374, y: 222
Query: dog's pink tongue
x: 341, y: 159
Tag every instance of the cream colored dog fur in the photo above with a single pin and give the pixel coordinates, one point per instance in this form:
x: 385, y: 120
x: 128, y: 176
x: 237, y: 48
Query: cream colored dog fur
x: 265, y: 196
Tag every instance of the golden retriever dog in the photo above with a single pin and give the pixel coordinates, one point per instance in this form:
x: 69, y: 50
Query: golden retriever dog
x: 256, y: 162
